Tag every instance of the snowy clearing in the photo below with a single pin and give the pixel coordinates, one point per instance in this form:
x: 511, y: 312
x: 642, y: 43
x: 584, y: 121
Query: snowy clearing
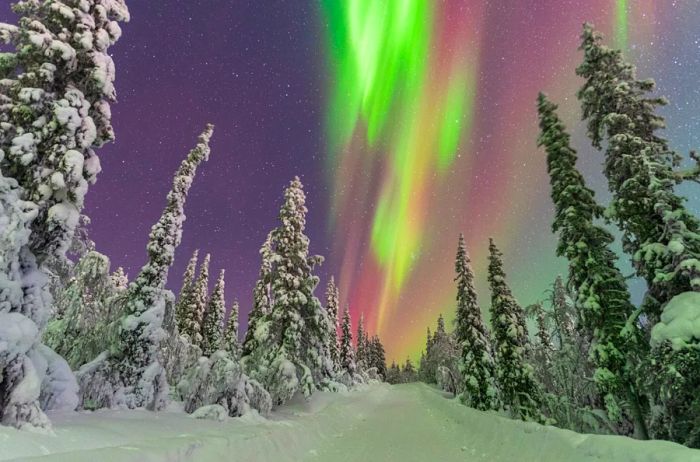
x: 380, y: 423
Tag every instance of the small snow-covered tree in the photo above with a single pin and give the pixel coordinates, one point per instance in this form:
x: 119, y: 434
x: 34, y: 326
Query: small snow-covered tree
x: 77, y: 333
x: 393, y: 374
x: 184, y: 300
x: 408, y: 372
x: 347, y: 353
x: 55, y: 94
x: 212, y: 330
x: 472, y: 336
x: 361, y: 350
x: 261, y: 297
x: 230, y: 341
x: 332, y: 305
x: 520, y: 391
x: 130, y: 373
x: 197, y: 306
x: 120, y: 280
x: 563, y: 311
x: 291, y: 350
x: 377, y: 356
x: 603, y: 301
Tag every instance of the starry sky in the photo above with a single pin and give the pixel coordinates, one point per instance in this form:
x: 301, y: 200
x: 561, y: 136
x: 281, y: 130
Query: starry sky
x: 409, y: 121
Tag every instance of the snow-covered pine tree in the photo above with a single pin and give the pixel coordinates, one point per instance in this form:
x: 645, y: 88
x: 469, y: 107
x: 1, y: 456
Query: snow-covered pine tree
x: 230, y: 341
x: 562, y: 312
x: 261, y: 297
x: 476, y: 363
x: 130, y: 373
x: 293, y: 348
x: 332, y: 304
x: 212, y: 326
x: 408, y: 372
x: 361, y: 350
x: 347, y: 353
x: 378, y: 356
x: 393, y: 374
x: 198, y: 305
x: 56, y: 90
x: 184, y: 300
x: 602, y: 301
x: 120, y: 280
x: 520, y: 391
x: 658, y: 231
x: 77, y: 333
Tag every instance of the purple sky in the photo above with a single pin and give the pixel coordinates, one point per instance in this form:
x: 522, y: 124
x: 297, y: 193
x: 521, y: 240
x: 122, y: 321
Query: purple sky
x: 244, y: 66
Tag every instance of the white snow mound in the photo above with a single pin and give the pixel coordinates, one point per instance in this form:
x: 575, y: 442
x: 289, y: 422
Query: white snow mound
x: 680, y: 322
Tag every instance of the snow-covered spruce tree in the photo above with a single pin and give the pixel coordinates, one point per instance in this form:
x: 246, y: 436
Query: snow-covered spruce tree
x: 55, y: 94
x: 519, y: 390
x: 347, y: 353
x: 261, y: 297
x: 130, y: 373
x: 377, y: 356
x: 77, y: 333
x: 408, y: 372
x: 361, y: 349
x: 184, y: 299
x: 212, y: 327
x: 292, y: 340
x: 563, y: 312
x: 332, y: 304
x: 120, y: 280
x: 393, y: 374
x: 230, y: 342
x: 603, y: 301
x: 662, y: 236
x: 197, y: 306
x: 476, y: 363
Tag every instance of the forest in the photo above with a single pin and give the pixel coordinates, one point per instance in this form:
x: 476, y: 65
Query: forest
x: 77, y: 334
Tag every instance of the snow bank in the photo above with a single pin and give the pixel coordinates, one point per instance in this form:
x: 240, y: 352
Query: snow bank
x: 403, y: 423
x: 680, y: 321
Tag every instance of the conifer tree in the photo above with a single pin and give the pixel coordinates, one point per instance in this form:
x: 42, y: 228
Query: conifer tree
x: 293, y: 354
x: 563, y: 316
x: 472, y: 336
x: 408, y: 372
x: 230, y: 340
x: 378, y: 356
x: 56, y: 86
x: 332, y: 304
x: 130, y: 372
x: 261, y: 296
x: 660, y: 234
x: 347, y: 354
x: 197, y: 305
x: 520, y: 391
x: 603, y: 300
x: 120, y: 280
x: 361, y: 351
x: 212, y: 330
x: 184, y: 300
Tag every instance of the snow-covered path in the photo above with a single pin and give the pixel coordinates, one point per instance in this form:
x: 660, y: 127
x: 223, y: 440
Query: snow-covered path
x: 379, y: 423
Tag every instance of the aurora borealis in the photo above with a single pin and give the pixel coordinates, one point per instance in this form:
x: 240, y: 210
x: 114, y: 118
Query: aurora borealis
x: 409, y: 121
x: 431, y: 132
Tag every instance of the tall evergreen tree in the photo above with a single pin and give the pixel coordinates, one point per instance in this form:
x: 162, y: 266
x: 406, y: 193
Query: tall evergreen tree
x: 662, y: 236
x: 477, y: 363
x: 230, y: 340
x: 56, y: 88
x: 130, y: 373
x: 261, y: 296
x: 197, y: 305
x: 294, y: 353
x: 184, y: 300
x: 332, y: 301
x: 347, y: 354
x: 361, y: 350
x: 603, y: 300
x: 212, y: 326
x: 520, y: 391
x: 561, y: 309
x: 378, y: 356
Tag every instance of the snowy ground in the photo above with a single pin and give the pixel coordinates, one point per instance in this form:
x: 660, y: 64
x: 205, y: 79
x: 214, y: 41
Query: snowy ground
x: 379, y: 423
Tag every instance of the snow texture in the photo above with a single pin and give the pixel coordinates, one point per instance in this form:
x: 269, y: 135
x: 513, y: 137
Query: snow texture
x: 405, y: 423
x: 680, y: 322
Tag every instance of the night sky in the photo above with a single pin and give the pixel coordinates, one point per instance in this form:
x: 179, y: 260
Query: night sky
x: 408, y: 121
